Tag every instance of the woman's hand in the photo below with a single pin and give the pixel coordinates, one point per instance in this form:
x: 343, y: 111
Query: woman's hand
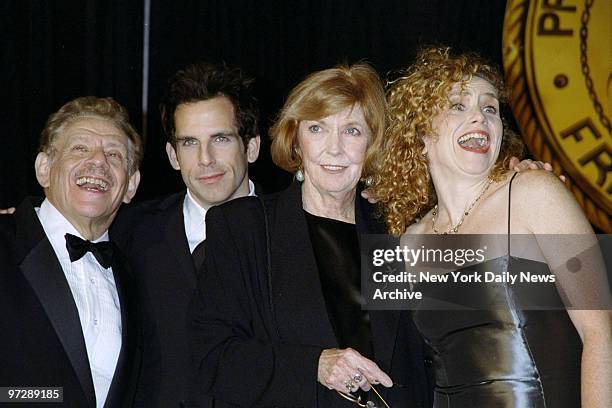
x: 528, y: 164
x: 346, y: 370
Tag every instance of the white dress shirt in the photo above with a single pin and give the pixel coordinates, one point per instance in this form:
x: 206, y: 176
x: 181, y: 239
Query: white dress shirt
x: 95, y: 294
x: 194, y: 217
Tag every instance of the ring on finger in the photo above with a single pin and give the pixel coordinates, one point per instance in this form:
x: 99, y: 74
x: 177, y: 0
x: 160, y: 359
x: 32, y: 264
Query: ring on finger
x: 358, y: 377
x: 349, y: 384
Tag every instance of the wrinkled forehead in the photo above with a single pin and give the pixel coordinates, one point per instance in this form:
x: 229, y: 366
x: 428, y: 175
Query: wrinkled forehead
x: 92, y: 129
x: 474, y: 86
x: 350, y: 113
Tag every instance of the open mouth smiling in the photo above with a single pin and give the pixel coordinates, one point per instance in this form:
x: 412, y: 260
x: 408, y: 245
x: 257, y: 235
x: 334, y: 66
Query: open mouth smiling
x: 476, y: 142
x: 333, y: 167
x: 92, y: 183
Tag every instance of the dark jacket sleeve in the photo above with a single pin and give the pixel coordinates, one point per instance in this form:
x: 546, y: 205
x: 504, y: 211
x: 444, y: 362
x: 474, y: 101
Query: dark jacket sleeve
x: 238, y: 355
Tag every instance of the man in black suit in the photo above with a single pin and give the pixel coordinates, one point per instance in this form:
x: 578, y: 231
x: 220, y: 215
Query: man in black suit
x: 211, y: 120
x: 68, y: 318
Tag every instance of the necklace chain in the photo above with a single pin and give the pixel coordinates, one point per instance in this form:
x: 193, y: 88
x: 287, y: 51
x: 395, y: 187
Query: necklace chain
x: 455, y: 228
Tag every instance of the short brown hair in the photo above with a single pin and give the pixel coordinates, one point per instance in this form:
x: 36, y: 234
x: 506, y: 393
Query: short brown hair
x: 401, y: 182
x: 91, y: 106
x: 324, y: 93
x: 203, y: 81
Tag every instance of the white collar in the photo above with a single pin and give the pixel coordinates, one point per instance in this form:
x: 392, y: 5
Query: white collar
x: 56, y: 226
x: 194, y: 211
x: 194, y: 216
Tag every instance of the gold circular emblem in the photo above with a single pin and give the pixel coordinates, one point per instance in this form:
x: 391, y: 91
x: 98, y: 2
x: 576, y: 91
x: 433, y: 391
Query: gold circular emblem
x: 558, y: 66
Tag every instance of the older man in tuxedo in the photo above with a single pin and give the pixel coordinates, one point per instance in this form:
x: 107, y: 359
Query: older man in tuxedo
x: 68, y: 318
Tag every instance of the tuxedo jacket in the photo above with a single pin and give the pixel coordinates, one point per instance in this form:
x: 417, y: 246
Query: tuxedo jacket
x: 259, y: 321
x: 41, y: 340
x: 153, y: 235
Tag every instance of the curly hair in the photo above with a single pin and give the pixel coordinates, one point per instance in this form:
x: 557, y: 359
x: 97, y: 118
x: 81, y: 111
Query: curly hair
x: 401, y: 181
x: 324, y: 93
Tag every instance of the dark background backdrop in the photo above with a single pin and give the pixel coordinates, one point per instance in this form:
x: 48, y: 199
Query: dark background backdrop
x: 56, y: 50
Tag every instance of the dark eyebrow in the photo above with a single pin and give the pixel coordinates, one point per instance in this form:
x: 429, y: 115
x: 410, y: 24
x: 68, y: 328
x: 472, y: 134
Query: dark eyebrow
x: 226, y: 134
x: 185, y: 137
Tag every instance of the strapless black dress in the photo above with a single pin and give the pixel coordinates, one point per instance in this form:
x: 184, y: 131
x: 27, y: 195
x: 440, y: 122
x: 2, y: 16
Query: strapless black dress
x: 503, y: 356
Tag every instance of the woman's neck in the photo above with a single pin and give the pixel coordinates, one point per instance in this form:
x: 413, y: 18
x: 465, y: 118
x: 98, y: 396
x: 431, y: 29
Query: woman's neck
x: 455, y: 196
x: 337, y: 206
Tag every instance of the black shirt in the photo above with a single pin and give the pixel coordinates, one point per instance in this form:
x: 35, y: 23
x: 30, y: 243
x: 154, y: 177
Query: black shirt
x: 336, y: 248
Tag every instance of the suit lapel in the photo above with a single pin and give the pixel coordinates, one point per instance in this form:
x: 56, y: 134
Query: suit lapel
x: 300, y: 306
x: 173, y: 226
x: 116, y: 390
x: 44, y: 273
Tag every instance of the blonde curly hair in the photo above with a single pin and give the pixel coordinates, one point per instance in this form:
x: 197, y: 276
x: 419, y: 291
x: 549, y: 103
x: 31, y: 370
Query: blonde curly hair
x: 401, y: 180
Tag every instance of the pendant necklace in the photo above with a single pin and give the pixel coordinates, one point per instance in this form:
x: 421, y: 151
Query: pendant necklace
x: 455, y: 228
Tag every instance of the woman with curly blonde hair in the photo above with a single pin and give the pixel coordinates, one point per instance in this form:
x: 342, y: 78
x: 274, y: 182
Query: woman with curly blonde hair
x: 444, y: 172
x: 403, y: 184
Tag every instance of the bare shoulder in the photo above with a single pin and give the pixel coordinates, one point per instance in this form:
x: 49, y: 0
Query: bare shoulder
x: 545, y: 205
x: 538, y: 183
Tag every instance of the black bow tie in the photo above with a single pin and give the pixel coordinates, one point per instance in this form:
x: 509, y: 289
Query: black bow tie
x: 77, y: 247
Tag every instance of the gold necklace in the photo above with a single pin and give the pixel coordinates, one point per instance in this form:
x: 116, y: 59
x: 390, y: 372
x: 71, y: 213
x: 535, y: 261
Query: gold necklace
x: 454, y: 229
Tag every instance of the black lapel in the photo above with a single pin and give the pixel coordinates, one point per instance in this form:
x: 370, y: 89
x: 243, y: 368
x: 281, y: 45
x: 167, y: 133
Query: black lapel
x: 384, y: 323
x: 173, y: 226
x: 258, y: 189
x: 120, y: 378
x: 299, y: 303
x: 44, y: 273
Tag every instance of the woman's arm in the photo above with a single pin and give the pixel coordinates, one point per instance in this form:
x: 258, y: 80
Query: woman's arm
x: 547, y: 209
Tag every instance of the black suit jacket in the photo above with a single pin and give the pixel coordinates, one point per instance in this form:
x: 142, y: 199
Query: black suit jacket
x: 153, y: 235
x: 257, y: 329
x: 41, y: 341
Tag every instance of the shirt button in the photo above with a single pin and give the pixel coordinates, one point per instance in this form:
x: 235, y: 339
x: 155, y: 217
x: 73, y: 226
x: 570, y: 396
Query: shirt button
x: 95, y: 322
x: 92, y: 280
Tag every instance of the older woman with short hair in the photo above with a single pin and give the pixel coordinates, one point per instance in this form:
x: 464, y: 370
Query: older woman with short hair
x: 278, y: 318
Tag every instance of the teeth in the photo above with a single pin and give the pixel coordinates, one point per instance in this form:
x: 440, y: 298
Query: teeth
x: 90, y: 180
x: 479, y: 138
x: 332, y: 167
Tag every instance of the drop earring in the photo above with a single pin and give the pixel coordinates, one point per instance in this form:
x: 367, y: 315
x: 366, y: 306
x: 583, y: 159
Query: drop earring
x: 299, y: 175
